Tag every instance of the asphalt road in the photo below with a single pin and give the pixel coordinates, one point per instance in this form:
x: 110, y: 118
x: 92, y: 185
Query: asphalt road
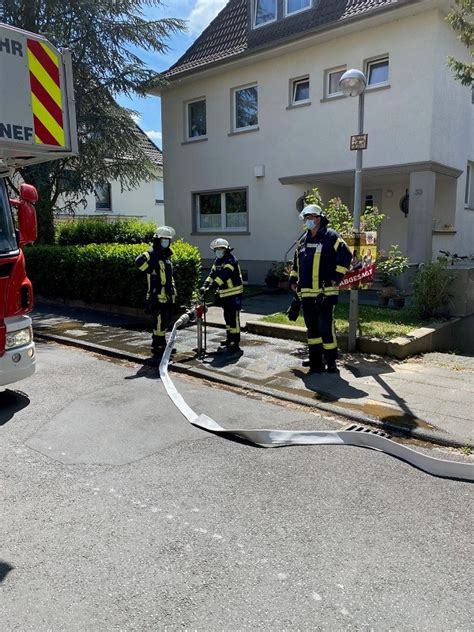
x: 118, y: 515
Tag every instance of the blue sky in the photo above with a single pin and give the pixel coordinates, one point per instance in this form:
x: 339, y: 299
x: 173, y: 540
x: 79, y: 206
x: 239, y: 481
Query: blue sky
x: 198, y: 14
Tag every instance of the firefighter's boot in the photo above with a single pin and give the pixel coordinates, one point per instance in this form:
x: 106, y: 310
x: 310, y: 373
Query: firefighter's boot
x: 331, y: 356
x: 316, y: 364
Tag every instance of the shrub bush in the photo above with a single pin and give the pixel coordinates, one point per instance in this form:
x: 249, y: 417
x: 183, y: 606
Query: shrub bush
x: 432, y: 289
x: 104, y: 273
x: 80, y: 232
x: 339, y: 216
x: 392, y: 265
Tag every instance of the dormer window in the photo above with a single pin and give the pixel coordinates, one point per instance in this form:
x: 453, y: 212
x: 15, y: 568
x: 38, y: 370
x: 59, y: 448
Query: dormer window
x: 295, y: 6
x: 265, y: 11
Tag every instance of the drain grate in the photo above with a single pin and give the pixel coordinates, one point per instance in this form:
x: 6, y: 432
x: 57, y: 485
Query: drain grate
x: 357, y: 428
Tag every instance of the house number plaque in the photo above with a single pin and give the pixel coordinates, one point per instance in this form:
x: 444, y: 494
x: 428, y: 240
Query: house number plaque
x: 359, y: 141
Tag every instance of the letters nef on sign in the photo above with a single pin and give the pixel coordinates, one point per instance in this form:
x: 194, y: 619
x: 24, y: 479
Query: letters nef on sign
x: 15, y: 132
x: 359, y: 141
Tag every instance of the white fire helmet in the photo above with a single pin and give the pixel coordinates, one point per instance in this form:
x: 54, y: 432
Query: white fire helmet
x: 311, y: 209
x: 165, y: 232
x: 219, y: 243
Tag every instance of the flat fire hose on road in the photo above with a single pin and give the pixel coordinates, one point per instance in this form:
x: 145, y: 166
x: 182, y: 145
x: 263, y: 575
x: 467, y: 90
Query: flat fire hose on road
x: 279, y: 438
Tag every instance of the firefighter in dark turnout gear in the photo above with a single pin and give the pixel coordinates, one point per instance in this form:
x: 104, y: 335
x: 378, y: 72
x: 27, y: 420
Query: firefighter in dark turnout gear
x: 161, y: 292
x: 321, y: 259
x: 226, y: 278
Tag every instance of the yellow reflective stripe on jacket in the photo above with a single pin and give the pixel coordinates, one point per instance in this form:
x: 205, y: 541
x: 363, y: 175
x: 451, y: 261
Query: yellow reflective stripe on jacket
x: 331, y: 291
x: 162, y: 273
x: 144, y: 266
x: 341, y: 269
x: 315, y: 341
x: 233, y: 291
x: 338, y: 242
x: 162, y: 296
x: 307, y: 292
x: 230, y: 266
x: 316, y: 262
x: 218, y: 281
x: 210, y: 279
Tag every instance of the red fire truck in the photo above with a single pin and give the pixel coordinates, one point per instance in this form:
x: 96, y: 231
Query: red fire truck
x: 37, y: 124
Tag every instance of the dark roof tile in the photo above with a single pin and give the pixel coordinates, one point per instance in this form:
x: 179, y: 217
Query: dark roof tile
x: 148, y: 146
x: 229, y: 35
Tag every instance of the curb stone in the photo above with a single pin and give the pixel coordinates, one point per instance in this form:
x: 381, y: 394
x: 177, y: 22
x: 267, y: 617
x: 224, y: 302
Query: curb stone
x: 436, y: 337
x: 433, y: 437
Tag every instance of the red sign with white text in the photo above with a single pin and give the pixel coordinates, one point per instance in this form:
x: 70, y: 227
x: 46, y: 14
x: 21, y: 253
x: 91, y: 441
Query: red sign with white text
x: 362, y: 275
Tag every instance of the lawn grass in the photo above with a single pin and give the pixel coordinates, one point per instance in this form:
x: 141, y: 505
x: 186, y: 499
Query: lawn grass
x: 375, y: 322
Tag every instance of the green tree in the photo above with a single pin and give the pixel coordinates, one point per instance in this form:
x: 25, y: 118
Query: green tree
x: 461, y: 19
x: 105, y: 38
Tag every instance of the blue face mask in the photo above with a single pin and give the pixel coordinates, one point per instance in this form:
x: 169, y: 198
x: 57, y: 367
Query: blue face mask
x: 164, y: 243
x: 220, y: 254
x: 310, y: 224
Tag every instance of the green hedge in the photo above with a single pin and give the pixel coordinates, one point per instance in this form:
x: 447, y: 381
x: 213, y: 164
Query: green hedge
x: 105, y: 273
x: 80, y: 232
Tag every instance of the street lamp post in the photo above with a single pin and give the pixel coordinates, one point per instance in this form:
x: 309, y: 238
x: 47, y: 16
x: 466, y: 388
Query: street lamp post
x: 353, y: 83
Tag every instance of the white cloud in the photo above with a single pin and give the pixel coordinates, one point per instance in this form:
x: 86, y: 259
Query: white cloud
x: 136, y: 118
x: 155, y: 135
x: 203, y: 13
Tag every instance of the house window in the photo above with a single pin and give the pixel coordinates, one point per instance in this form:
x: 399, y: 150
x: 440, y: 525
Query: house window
x: 103, y: 197
x: 377, y: 71
x: 222, y: 210
x: 265, y: 11
x: 246, y: 108
x: 197, y: 127
x: 159, y: 195
x: 300, y: 90
x: 332, y: 81
x: 469, y: 191
x: 294, y: 6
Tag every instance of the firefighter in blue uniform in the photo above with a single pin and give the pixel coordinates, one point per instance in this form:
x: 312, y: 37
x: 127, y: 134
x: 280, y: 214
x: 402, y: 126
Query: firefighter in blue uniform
x: 225, y: 278
x: 161, y: 293
x: 321, y: 260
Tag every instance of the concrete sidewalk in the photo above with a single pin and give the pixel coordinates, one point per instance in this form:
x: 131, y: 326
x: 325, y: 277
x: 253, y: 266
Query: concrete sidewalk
x: 429, y: 398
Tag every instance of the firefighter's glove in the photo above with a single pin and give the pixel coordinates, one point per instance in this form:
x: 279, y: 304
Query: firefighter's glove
x: 204, y: 289
x: 294, y: 310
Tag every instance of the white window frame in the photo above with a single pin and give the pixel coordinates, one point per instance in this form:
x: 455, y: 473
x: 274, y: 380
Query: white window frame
x: 469, y: 186
x: 254, y: 15
x: 289, y: 13
x: 222, y: 228
x: 293, y: 86
x: 377, y: 60
x: 234, y: 108
x: 187, y: 120
x: 327, y: 82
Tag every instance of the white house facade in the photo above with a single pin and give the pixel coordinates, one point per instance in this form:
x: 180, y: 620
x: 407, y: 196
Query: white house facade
x: 144, y: 202
x: 253, y: 117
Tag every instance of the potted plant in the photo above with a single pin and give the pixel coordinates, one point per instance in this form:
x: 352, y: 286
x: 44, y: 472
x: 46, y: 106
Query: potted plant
x: 389, y: 267
x: 278, y: 275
